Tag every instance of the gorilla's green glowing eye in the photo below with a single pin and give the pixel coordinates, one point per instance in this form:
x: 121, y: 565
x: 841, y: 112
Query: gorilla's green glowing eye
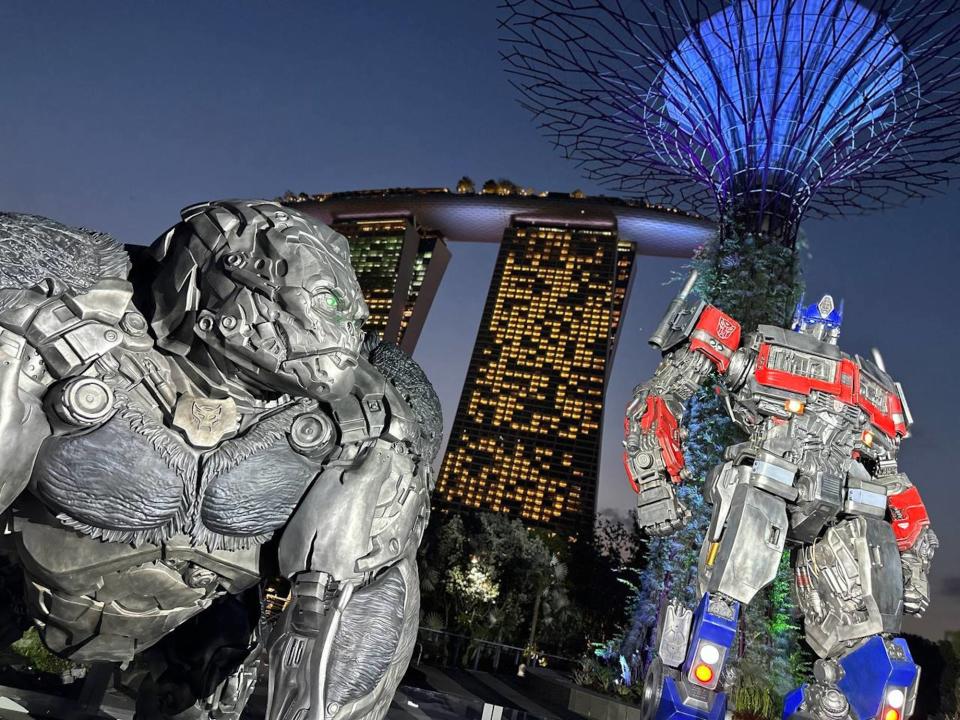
x: 327, y: 298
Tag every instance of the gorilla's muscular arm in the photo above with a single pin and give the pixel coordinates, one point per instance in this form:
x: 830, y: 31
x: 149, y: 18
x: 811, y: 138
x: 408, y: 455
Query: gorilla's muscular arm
x: 346, y: 638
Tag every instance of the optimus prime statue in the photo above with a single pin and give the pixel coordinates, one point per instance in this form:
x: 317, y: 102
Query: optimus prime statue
x: 173, y: 437
x: 818, y: 474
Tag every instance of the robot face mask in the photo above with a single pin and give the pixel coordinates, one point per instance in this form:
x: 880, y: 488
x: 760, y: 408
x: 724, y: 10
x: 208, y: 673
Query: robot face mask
x: 278, y: 298
x: 822, y: 320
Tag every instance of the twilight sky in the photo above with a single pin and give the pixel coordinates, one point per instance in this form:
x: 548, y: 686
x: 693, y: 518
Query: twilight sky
x: 114, y: 115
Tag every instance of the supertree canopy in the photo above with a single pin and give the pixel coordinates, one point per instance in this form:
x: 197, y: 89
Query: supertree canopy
x: 762, y: 110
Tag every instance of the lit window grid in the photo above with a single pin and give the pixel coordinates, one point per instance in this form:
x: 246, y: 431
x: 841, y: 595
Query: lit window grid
x: 375, y: 252
x: 376, y: 249
x: 537, y: 377
x: 425, y: 251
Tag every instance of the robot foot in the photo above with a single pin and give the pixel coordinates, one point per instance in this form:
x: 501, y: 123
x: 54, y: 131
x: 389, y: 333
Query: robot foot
x: 817, y: 701
x: 668, y: 696
x: 875, y: 679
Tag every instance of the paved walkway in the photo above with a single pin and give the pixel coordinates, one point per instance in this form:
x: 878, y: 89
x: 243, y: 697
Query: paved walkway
x: 427, y: 693
x: 519, y: 697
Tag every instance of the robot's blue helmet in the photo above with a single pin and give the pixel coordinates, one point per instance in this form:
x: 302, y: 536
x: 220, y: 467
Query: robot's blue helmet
x: 821, y: 319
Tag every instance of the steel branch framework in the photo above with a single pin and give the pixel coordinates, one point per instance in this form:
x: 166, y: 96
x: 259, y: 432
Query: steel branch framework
x: 768, y: 109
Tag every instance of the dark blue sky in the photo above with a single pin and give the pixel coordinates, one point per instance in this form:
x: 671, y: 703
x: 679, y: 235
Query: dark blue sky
x: 114, y: 115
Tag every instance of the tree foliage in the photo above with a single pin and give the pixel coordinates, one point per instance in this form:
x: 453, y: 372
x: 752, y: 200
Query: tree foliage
x: 482, y: 573
x: 754, y: 278
x: 550, y: 594
x: 36, y: 654
x: 938, y: 694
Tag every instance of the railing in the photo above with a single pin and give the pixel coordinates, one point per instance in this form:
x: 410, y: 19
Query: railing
x: 448, y: 648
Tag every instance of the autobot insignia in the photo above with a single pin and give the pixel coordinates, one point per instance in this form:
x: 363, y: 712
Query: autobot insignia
x: 725, y: 328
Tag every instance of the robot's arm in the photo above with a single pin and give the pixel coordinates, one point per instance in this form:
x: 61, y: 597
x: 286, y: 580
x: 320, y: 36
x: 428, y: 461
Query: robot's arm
x: 696, y: 339
x: 342, y: 645
x: 915, y: 539
x: 48, y: 338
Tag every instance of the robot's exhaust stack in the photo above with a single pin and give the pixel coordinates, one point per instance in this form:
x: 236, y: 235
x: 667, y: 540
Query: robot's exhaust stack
x: 673, y: 314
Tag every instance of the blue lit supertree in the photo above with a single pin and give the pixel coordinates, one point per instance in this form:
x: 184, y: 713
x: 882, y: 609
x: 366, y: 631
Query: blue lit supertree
x: 760, y: 111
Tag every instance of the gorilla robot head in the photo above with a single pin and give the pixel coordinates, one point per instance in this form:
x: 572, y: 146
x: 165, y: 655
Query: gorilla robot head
x: 265, y: 292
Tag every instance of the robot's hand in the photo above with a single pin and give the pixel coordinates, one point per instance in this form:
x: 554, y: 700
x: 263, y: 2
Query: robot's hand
x: 915, y: 602
x: 916, y: 566
x: 659, y: 511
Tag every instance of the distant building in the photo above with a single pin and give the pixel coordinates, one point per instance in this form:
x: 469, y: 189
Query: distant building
x: 527, y: 431
x: 399, y: 267
x: 526, y: 436
x: 429, y: 265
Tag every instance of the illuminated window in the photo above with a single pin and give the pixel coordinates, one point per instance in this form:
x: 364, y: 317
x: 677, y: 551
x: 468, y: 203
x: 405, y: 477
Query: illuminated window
x: 545, y: 343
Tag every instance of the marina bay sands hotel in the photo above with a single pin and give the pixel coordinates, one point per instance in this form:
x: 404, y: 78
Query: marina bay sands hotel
x: 526, y: 436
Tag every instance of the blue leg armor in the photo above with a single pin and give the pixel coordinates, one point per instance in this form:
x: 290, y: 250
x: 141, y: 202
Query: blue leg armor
x: 687, y: 690
x: 877, y: 680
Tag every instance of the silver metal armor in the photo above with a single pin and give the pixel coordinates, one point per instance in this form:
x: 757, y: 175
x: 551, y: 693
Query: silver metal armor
x: 818, y: 475
x: 174, y: 437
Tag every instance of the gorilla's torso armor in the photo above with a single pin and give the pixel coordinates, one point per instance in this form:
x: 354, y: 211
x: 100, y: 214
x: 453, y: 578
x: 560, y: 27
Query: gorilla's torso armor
x: 155, y: 493
x: 135, y: 478
x: 149, y: 500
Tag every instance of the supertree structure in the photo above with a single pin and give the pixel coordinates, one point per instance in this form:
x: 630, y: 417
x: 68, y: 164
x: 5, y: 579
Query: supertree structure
x: 761, y: 111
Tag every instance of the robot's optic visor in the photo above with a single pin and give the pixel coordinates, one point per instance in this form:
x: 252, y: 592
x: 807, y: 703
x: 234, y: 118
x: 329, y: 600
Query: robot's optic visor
x: 824, y: 316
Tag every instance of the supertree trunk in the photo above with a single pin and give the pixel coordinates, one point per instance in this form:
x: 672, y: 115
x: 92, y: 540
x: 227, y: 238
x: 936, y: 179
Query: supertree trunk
x: 754, y: 277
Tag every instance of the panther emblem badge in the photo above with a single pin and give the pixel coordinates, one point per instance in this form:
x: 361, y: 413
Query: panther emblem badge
x: 204, y: 421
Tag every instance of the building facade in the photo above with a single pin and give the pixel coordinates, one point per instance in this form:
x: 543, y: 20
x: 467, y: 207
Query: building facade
x: 399, y: 267
x: 526, y: 434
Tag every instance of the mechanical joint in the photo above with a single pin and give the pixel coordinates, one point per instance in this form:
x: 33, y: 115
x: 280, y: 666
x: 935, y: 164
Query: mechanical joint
x: 82, y: 402
x: 315, y: 593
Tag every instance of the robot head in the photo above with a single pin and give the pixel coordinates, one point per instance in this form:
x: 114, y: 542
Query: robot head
x: 266, y: 288
x: 822, y: 319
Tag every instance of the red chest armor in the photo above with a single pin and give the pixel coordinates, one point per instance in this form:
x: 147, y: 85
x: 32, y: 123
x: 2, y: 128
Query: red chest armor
x: 795, y: 370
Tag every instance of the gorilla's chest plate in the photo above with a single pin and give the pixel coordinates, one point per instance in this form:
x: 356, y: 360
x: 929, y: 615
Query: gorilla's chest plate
x: 135, y: 480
